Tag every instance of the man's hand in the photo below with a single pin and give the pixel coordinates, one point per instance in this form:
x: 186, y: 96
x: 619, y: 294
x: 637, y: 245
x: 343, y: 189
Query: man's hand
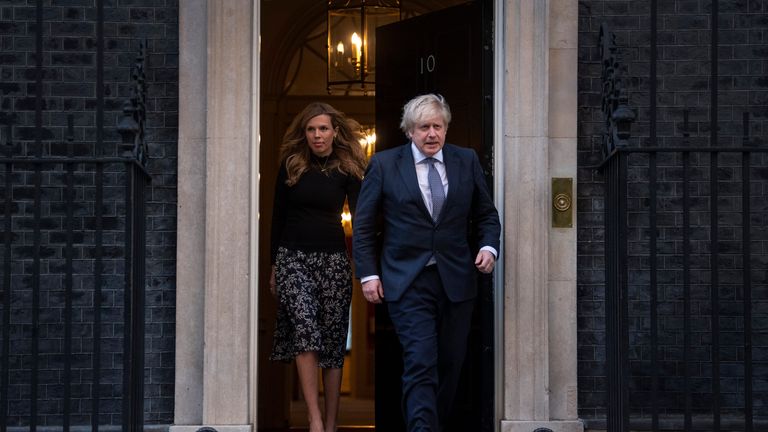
x: 373, y: 291
x: 485, y: 261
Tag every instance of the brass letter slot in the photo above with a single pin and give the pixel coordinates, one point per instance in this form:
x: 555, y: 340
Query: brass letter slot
x: 562, y: 202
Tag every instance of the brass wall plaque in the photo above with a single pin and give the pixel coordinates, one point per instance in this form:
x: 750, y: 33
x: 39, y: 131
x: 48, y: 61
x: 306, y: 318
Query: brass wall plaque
x: 562, y: 202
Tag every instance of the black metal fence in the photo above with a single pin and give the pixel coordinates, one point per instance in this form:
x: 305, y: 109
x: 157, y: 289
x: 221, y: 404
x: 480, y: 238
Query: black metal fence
x: 73, y: 269
x: 56, y: 344
x: 686, y: 266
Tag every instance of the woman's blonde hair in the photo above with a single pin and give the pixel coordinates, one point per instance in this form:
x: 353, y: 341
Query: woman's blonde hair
x: 295, y: 151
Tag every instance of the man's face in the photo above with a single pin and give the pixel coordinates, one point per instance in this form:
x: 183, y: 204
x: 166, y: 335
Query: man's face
x: 429, y: 135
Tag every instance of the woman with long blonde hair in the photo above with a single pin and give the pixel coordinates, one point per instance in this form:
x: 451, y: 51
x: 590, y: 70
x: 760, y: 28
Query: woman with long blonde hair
x: 322, y: 164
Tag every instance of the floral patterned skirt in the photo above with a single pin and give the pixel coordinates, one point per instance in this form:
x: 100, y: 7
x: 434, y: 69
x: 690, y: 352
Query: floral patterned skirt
x: 314, y: 290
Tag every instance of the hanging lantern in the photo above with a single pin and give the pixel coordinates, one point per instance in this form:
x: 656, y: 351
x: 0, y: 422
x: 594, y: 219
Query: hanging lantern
x: 351, y: 41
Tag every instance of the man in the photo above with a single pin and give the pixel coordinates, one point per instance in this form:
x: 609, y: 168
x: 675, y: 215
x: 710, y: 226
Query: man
x: 429, y: 193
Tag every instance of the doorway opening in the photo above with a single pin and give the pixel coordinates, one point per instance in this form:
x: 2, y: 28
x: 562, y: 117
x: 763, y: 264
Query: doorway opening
x: 293, y: 65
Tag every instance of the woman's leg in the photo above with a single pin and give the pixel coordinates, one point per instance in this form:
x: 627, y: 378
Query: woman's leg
x: 335, y: 297
x: 332, y: 387
x: 306, y: 363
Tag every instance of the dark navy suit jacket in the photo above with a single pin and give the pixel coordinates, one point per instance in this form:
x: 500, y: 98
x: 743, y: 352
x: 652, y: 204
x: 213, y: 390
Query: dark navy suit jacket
x: 408, y: 236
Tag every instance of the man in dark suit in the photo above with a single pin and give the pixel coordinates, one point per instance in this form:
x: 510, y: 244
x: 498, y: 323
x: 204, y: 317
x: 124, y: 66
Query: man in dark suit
x: 421, y: 264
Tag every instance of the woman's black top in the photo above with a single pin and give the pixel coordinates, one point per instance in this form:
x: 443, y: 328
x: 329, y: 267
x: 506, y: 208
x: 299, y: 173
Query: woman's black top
x: 307, y: 215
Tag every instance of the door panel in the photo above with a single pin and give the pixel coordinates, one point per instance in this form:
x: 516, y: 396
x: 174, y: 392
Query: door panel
x: 440, y: 52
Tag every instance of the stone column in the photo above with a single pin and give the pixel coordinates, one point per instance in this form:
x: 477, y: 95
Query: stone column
x: 222, y: 391
x: 227, y: 224
x: 190, y: 242
x: 563, y: 61
x: 539, y: 301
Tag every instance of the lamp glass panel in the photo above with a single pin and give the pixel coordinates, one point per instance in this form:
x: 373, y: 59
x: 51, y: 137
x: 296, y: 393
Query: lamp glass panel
x: 344, y: 56
x: 375, y: 17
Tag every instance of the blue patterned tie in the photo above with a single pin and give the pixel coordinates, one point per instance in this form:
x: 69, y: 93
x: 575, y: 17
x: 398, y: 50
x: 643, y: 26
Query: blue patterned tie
x: 436, y: 187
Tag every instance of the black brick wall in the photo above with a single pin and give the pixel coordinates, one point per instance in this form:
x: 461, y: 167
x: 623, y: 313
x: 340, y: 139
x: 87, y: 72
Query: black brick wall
x: 69, y: 62
x: 683, y: 70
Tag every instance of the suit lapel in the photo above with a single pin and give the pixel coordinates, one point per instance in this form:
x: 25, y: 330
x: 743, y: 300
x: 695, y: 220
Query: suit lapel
x: 407, y: 170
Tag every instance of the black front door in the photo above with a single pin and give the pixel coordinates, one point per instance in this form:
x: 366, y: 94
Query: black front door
x: 446, y: 52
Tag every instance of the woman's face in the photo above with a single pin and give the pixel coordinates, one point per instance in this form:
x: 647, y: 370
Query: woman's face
x: 320, y: 133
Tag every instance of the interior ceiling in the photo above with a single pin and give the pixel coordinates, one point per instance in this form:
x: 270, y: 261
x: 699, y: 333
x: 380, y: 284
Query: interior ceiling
x: 293, y: 42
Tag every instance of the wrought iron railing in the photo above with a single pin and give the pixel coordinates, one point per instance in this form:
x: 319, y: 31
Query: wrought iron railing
x: 73, y: 253
x: 685, y: 259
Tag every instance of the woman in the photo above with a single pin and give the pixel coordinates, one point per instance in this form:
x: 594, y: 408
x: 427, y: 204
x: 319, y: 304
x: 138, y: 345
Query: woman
x: 322, y: 164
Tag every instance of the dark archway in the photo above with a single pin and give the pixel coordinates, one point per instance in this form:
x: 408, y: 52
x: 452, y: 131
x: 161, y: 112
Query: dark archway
x: 292, y: 75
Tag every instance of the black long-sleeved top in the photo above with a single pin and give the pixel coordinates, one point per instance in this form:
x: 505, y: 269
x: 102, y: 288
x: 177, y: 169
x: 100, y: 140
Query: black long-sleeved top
x: 307, y: 215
